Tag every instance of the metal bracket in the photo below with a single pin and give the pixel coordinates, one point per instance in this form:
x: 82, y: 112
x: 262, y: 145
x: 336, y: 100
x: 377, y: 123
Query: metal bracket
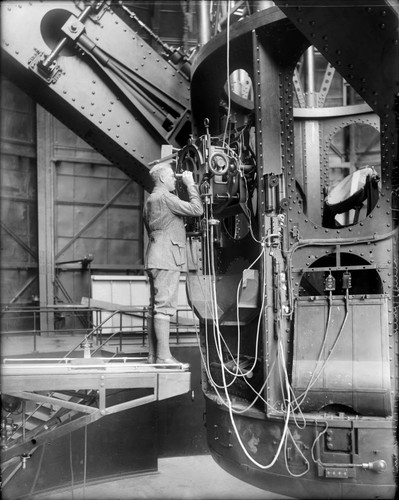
x: 73, y: 28
x: 223, y: 436
x: 50, y: 76
x: 295, y: 231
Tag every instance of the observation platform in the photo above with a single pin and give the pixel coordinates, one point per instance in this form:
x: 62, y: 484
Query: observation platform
x: 21, y: 375
x: 75, y: 390
x: 57, y: 381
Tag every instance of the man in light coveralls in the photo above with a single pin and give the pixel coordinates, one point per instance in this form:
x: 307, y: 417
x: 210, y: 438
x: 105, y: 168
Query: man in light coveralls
x: 165, y: 258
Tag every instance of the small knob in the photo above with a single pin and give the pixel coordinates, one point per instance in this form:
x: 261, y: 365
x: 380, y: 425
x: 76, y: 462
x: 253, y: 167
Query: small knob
x: 377, y: 466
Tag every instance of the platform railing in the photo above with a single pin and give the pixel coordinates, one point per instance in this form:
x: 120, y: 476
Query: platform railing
x: 97, y: 331
x: 97, y: 325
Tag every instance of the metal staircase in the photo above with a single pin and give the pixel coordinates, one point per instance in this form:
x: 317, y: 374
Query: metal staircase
x: 59, y: 396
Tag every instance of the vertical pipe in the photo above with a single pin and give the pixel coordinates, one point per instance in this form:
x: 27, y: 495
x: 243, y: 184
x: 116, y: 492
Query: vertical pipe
x: 95, y: 313
x: 120, y: 330
x: 101, y: 328
x: 144, y: 329
x: 310, y: 73
x: 344, y: 93
x: 23, y: 420
x: 204, y: 22
x: 34, y: 331
x: 145, y: 324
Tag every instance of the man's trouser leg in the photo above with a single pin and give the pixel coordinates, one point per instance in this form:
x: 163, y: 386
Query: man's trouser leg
x: 165, y: 288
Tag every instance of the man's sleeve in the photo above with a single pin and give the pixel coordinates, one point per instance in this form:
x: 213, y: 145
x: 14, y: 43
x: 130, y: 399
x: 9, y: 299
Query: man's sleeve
x: 180, y: 207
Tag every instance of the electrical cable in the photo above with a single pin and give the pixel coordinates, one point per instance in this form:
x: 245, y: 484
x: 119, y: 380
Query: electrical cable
x: 250, y: 221
x: 216, y: 327
x: 206, y: 362
x: 300, y: 399
x: 218, y: 337
x: 227, y: 396
x: 219, y: 341
x: 213, y: 302
x: 238, y: 322
x: 282, y: 439
x: 312, y: 379
x: 315, y: 441
x: 237, y: 361
x: 258, y: 393
x: 310, y: 385
x: 306, y: 461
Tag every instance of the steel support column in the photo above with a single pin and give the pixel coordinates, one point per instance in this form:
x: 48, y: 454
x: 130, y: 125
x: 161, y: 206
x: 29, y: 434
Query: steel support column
x: 311, y: 133
x: 45, y: 217
x: 267, y: 108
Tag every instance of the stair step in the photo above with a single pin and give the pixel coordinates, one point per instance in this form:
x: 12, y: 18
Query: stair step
x: 43, y: 413
x: 33, y: 422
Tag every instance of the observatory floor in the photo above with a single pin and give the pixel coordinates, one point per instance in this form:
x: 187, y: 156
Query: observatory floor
x: 193, y: 478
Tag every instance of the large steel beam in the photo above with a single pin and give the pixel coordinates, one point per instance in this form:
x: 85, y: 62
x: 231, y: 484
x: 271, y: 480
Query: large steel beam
x: 95, y: 74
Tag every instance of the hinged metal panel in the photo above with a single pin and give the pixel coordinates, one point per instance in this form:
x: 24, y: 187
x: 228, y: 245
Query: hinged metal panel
x: 342, y: 358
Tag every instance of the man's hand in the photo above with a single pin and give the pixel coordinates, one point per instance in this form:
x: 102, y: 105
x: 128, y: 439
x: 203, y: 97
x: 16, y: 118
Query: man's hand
x: 187, y: 178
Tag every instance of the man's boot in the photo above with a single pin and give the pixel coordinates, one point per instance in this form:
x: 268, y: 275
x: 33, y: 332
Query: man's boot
x: 162, y: 329
x: 152, y: 341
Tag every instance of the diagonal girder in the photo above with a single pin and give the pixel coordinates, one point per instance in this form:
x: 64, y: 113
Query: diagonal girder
x: 41, y: 398
x: 95, y: 74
